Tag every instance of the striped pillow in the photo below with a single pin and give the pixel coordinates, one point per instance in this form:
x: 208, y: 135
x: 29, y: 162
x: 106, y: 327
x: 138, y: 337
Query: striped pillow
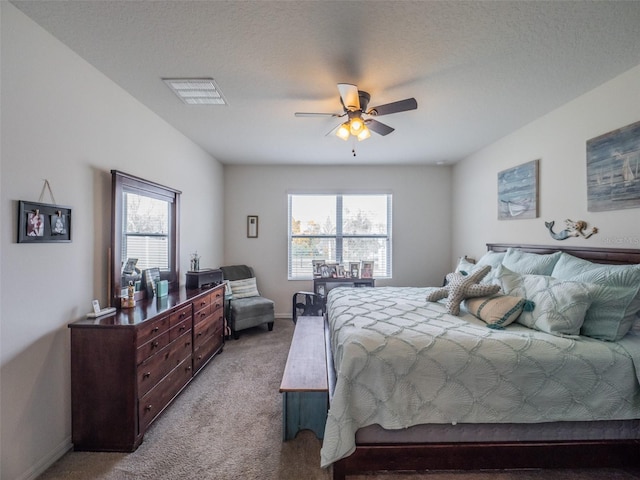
x: 244, y: 288
x: 497, y: 311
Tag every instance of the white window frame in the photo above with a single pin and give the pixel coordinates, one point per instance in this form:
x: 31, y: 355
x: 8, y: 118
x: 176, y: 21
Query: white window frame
x: 339, y: 236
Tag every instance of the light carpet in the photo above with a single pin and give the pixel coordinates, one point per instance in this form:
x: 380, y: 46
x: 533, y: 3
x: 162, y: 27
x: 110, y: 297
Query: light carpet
x: 227, y: 424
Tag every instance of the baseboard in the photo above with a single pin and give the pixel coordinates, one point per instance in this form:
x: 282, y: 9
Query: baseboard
x: 286, y: 316
x: 41, y: 466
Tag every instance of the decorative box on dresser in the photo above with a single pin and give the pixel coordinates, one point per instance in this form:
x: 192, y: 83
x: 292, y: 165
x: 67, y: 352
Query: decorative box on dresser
x: 128, y: 367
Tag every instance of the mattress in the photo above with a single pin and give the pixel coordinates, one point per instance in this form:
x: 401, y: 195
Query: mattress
x: 401, y: 361
x: 503, y: 432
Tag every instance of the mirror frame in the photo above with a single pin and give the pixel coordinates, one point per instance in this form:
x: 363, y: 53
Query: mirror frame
x: 123, y: 182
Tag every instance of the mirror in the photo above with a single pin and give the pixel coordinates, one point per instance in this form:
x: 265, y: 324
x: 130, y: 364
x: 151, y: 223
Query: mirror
x: 144, y: 233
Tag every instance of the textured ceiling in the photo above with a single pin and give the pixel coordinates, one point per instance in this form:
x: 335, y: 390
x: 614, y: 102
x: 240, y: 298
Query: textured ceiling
x: 479, y: 70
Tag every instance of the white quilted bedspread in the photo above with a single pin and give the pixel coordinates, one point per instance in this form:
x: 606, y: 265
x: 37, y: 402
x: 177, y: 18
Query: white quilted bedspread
x: 403, y: 361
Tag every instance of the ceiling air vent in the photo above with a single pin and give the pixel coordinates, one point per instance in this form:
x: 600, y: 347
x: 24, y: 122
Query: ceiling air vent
x: 196, y: 91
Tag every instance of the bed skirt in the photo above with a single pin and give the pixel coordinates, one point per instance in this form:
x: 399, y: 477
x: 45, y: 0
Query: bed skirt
x: 508, y: 432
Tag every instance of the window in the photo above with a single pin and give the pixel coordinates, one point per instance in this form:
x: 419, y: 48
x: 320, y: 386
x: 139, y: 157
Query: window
x: 341, y: 229
x: 145, y: 226
x: 145, y: 231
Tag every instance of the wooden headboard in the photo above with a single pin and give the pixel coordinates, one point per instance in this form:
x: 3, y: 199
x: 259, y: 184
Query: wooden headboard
x: 614, y: 256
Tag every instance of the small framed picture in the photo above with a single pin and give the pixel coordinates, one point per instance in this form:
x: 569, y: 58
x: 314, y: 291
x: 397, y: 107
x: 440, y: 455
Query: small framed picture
x: 130, y: 267
x: 354, y: 269
x: 252, y: 226
x: 333, y: 270
x: 367, y: 269
x: 340, y: 271
x: 317, y: 264
x: 320, y: 289
x: 325, y: 271
x: 149, y: 279
x: 43, y: 223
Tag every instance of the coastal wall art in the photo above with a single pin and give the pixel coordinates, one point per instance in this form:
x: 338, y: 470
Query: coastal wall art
x: 518, y: 192
x: 613, y: 170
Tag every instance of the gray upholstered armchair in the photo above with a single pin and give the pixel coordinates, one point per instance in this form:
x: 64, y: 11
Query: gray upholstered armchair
x: 246, y: 308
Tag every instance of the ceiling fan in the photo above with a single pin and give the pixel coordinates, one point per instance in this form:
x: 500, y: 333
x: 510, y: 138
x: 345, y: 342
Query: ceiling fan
x: 354, y: 104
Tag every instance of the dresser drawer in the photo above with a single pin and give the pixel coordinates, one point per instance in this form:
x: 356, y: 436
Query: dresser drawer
x: 157, y: 399
x: 202, y: 302
x: 179, y: 316
x: 180, y: 329
x: 217, y: 299
x: 201, y: 314
x: 154, y: 368
x: 152, y: 329
x: 204, y: 353
x: 202, y: 331
x: 152, y: 347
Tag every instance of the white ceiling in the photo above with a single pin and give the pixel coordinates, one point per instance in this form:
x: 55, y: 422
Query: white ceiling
x: 479, y: 70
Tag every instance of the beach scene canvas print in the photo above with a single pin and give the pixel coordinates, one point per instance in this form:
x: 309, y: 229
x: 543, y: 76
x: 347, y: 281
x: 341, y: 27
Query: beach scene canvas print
x: 518, y: 192
x: 613, y: 170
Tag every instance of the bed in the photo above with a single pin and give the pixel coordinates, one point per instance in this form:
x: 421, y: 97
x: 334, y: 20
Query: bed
x: 423, y: 389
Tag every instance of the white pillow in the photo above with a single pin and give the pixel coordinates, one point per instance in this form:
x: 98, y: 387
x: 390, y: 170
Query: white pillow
x: 560, y: 306
x: 244, y: 288
x: 616, y: 302
x: 490, y: 258
x: 530, y: 263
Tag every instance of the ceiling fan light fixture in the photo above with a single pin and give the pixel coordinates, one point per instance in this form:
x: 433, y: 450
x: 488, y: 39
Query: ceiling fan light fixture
x: 364, y: 134
x: 356, y: 124
x: 343, y: 131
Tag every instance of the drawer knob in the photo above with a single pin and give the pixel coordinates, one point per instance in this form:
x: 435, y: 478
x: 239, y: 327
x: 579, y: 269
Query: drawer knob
x: 146, y: 375
x: 148, y: 408
x: 155, y: 329
x: 188, y: 368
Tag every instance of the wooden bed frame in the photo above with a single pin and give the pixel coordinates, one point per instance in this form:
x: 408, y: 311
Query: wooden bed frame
x: 500, y: 455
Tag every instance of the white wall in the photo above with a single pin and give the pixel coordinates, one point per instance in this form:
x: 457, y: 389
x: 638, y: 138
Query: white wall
x: 558, y: 139
x: 421, y: 210
x: 64, y: 121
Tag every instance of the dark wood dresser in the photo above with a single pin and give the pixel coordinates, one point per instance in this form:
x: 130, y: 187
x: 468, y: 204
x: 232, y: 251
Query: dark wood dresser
x: 128, y: 367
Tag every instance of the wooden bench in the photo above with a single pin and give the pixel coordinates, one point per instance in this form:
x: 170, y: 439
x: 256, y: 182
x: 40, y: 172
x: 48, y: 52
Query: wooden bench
x: 304, y: 386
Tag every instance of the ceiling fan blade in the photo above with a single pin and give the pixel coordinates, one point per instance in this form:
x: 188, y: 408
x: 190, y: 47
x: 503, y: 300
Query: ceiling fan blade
x: 394, y: 107
x: 314, y: 114
x: 333, y: 130
x: 349, y: 96
x: 379, y: 128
